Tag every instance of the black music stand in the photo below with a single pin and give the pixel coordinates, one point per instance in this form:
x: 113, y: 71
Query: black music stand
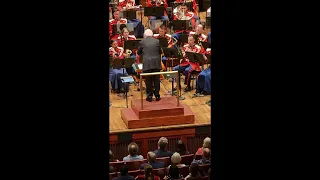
x: 156, y: 11
x: 124, y: 63
x: 204, y: 5
x: 208, y: 58
x: 163, y: 42
x: 180, y: 25
x: 171, y: 53
x: 131, y: 44
x: 127, y: 80
x: 205, y: 45
x: 196, y: 57
x: 130, y: 14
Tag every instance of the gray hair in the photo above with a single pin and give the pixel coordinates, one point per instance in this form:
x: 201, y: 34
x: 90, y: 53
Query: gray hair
x: 175, y: 158
x: 207, y: 143
x: 148, y: 33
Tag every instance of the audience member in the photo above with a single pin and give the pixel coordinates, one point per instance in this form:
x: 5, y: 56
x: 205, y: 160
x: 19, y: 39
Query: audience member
x: 173, y: 173
x: 181, y: 148
x: 148, y: 174
x: 206, y: 153
x: 152, y: 160
x: 176, y: 159
x: 111, y: 158
x: 161, y: 151
x: 133, y: 153
x: 195, y: 173
x: 124, y: 174
x: 206, y: 144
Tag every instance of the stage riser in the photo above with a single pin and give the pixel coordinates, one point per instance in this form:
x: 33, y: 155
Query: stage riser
x: 142, y: 114
x: 148, y: 141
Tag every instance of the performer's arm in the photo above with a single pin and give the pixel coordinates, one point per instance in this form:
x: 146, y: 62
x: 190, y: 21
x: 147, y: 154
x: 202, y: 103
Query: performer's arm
x: 194, y: 6
x: 165, y: 4
x: 139, y: 52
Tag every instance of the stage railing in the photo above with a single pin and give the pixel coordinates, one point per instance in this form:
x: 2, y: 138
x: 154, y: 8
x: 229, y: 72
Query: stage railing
x: 159, y: 73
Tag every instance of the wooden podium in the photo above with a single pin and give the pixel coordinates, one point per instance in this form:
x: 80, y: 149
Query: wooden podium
x: 167, y: 111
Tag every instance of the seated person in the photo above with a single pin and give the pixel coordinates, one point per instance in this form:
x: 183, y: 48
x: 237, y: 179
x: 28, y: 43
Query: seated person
x: 152, y: 3
x: 148, y: 174
x: 116, y: 20
x: 203, y: 83
x: 125, y: 37
x: 124, y: 174
x: 186, y: 66
x: 206, y: 144
x: 181, y: 148
x: 175, y: 160
x: 111, y: 158
x: 130, y: 5
x: 116, y: 74
x: 184, y: 14
x: 173, y: 173
x: 199, y: 31
x: 152, y: 160
x: 162, y: 34
x: 195, y: 172
x: 161, y: 151
x: 206, y: 157
x: 133, y: 153
x: 194, y: 6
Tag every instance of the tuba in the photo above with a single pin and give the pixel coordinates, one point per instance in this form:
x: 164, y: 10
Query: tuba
x: 128, y: 53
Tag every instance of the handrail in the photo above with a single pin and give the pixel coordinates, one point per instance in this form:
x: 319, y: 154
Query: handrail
x: 159, y: 73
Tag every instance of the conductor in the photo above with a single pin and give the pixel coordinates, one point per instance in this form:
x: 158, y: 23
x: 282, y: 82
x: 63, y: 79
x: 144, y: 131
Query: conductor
x: 150, y: 50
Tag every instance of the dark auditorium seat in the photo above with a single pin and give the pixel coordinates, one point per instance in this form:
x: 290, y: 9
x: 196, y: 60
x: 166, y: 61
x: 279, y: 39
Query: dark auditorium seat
x: 135, y: 165
x: 116, y: 165
x: 205, y: 178
x: 166, y: 160
x: 135, y: 173
x: 198, y: 156
x: 113, y: 175
x: 184, y: 171
x: 161, y: 172
x: 187, y: 159
x: 205, y: 167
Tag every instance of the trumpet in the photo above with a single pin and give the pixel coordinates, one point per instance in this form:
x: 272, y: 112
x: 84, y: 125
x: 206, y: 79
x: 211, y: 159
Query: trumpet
x: 128, y: 53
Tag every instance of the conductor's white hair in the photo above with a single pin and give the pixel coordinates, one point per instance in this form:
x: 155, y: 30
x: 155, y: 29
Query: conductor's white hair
x: 148, y: 33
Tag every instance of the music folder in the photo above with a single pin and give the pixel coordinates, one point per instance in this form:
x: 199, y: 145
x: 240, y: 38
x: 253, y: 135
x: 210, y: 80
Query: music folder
x: 127, y: 79
x: 154, y: 11
x: 196, y: 57
x: 131, y: 44
x: 130, y: 14
x: 163, y: 42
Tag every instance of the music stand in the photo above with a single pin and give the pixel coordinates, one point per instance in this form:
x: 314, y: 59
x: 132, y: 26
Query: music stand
x: 205, y: 45
x: 130, y: 14
x: 126, y: 80
x: 163, y: 42
x: 196, y: 58
x: 180, y: 24
x: 208, y: 58
x: 131, y: 44
x: 154, y: 11
x: 204, y: 5
x: 208, y: 21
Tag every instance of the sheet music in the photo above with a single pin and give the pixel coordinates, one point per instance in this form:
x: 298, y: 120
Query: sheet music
x: 140, y: 66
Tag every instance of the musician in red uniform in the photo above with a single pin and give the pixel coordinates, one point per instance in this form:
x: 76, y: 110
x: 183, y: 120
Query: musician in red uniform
x: 199, y: 31
x: 194, y: 5
x: 116, y: 20
x: 187, y: 66
x: 162, y: 34
x: 203, y: 83
x: 115, y: 74
x: 130, y: 5
x: 152, y: 3
x: 184, y: 14
x: 125, y: 37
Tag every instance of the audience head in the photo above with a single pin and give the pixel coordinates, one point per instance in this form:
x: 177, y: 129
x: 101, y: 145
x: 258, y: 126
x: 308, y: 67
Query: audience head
x: 124, y: 170
x: 191, y: 40
x: 194, y: 170
x: 206, y: 153
x: 116, y: 14
x: 125, y: 32
x: 207, y: 143
x: 148, y: 172
x: 133, y: 149
x: 162, y: 143
x: 174, y: 172
x: 181, y: 147
x: 151, y: 156
x: 162, y: 30
x: 148, y: 33
x: 175, y: 158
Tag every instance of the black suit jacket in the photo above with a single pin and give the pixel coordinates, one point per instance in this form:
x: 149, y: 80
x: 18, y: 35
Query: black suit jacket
x: 127, y: 177
x: 150, y: 50
x: 155, y: 165
x: 163, y: 153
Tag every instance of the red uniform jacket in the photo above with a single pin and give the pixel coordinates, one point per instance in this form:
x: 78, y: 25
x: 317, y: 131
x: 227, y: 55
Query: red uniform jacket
x: 127, y: 4
x: 202, y: 37
x: 134, y: 51
x: 196, y: 49
x: 164, y: 3
x: 168, y: 36
x: 194, y: 5
x: 118, y: 50
x: 112, y: 22
x: 189, y: 16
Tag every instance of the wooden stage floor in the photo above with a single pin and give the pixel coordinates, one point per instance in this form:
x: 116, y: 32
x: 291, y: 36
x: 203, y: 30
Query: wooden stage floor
x: 198, y: 105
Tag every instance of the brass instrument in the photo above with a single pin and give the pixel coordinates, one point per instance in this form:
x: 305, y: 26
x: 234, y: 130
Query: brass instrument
x: 128, y: 53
